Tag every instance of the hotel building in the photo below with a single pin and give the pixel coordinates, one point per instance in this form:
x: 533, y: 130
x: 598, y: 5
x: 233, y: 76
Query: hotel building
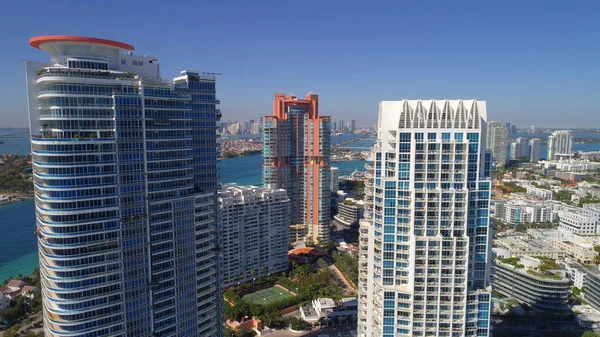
x: 124, y: 167
x: 425, y: 241
x: 296, y: 158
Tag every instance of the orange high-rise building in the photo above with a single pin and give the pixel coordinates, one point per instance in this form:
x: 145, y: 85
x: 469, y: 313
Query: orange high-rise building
x: 296, y: 157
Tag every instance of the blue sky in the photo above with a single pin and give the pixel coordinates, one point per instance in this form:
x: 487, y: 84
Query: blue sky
x: 534, y: 62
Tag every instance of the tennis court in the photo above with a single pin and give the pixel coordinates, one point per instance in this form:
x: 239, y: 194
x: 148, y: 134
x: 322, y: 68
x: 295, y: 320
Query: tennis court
x: 267, y: 296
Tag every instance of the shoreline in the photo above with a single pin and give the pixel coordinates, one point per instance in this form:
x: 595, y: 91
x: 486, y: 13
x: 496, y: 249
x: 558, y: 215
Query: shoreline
x: 16, y: 200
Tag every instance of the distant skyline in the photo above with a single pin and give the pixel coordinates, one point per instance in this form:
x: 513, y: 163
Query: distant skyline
x: 534, y: 62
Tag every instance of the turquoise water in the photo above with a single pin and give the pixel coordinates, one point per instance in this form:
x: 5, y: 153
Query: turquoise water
x: 17, y: 242
x: 18, y: 247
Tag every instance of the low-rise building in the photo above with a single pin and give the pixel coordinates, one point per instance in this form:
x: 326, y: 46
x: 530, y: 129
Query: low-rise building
x: 350, y: 211
x: 516, y: 210
x: 578, y: 221
x: 576, y: 273
x: 537, y: 192
x: 571, y: 165
x: 345, y: 311
x: 578, y: 247
x: 585, y: 189
x: 528, y: 281
x: 572, y: 176
x: 253, y: 228
x: 516, y: 246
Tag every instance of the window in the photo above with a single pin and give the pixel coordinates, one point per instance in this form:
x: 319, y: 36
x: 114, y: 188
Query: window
x: 124, y: 62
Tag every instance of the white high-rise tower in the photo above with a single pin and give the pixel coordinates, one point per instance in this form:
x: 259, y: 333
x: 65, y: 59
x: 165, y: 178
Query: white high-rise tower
x: 425, y: 240
x: 560, y: 142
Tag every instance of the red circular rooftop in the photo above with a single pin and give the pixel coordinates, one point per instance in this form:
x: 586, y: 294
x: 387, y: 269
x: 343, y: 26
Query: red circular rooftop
x: 38, y: 40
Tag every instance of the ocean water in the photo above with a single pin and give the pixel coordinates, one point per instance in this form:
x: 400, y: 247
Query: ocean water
x: 18, y: 245
x: 14, y: 141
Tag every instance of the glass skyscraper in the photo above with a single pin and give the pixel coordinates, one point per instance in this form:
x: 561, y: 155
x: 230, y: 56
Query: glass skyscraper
x: 425, y: 241
x: 124, y: 167
x: 297, y: 152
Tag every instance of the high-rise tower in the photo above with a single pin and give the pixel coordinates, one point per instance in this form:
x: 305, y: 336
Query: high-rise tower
x: 496, y: 142
x: 124, y: 167
x: 425, y: 240
x: 560, y: 143
x: 534, y: 149
x: 296, y: 158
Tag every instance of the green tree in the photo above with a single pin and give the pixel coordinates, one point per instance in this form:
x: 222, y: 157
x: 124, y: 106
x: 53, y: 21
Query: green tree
x: 297, y: 323
x: 589, y: 334
x: 272, y: 319
x: 245, y: 333
x: 14, y: 314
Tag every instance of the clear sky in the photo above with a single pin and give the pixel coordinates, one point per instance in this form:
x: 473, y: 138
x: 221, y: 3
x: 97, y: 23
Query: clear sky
x: 534, y: 62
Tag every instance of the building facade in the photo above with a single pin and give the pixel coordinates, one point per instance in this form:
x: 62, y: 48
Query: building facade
x: 560, y: 143
x: 425, y: 240
x: 124, y: 167
x: 592, y: 288
x: 253, y: 230
x: 496, y: 142
x: 297, y: 151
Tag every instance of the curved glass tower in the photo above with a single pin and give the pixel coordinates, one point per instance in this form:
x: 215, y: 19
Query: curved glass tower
x: 124, y: 169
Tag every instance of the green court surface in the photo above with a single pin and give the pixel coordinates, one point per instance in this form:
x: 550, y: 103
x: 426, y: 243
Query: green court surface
x: 267, y: 296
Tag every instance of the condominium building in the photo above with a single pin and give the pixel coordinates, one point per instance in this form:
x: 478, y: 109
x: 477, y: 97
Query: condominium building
x: 124, y: 170
x: 534, y: 149
x: 296, y: 155
x: 523, y: 281
x: 335, y: 179
x: 421, y: 272
x: 496, y: 142
x: 560, y: 143
x: 253, y: 231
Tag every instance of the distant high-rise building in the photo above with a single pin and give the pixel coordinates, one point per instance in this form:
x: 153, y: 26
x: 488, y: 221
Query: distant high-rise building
x: 507, y: 127
x: 341, y: 126
x: 253, y: 228
x: 519, y: 148
x: 125, y: 182
x: 296, y: 158
x: 234, y: 129
x: 335, y: 179
x: 353, y: 125
x: 255, y: 128
x: 534, y: 149
x: 496, y: 142
x: 513, y: 129
x: 532, y: 129
x: 560, y: 142
x: 425, y: 242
